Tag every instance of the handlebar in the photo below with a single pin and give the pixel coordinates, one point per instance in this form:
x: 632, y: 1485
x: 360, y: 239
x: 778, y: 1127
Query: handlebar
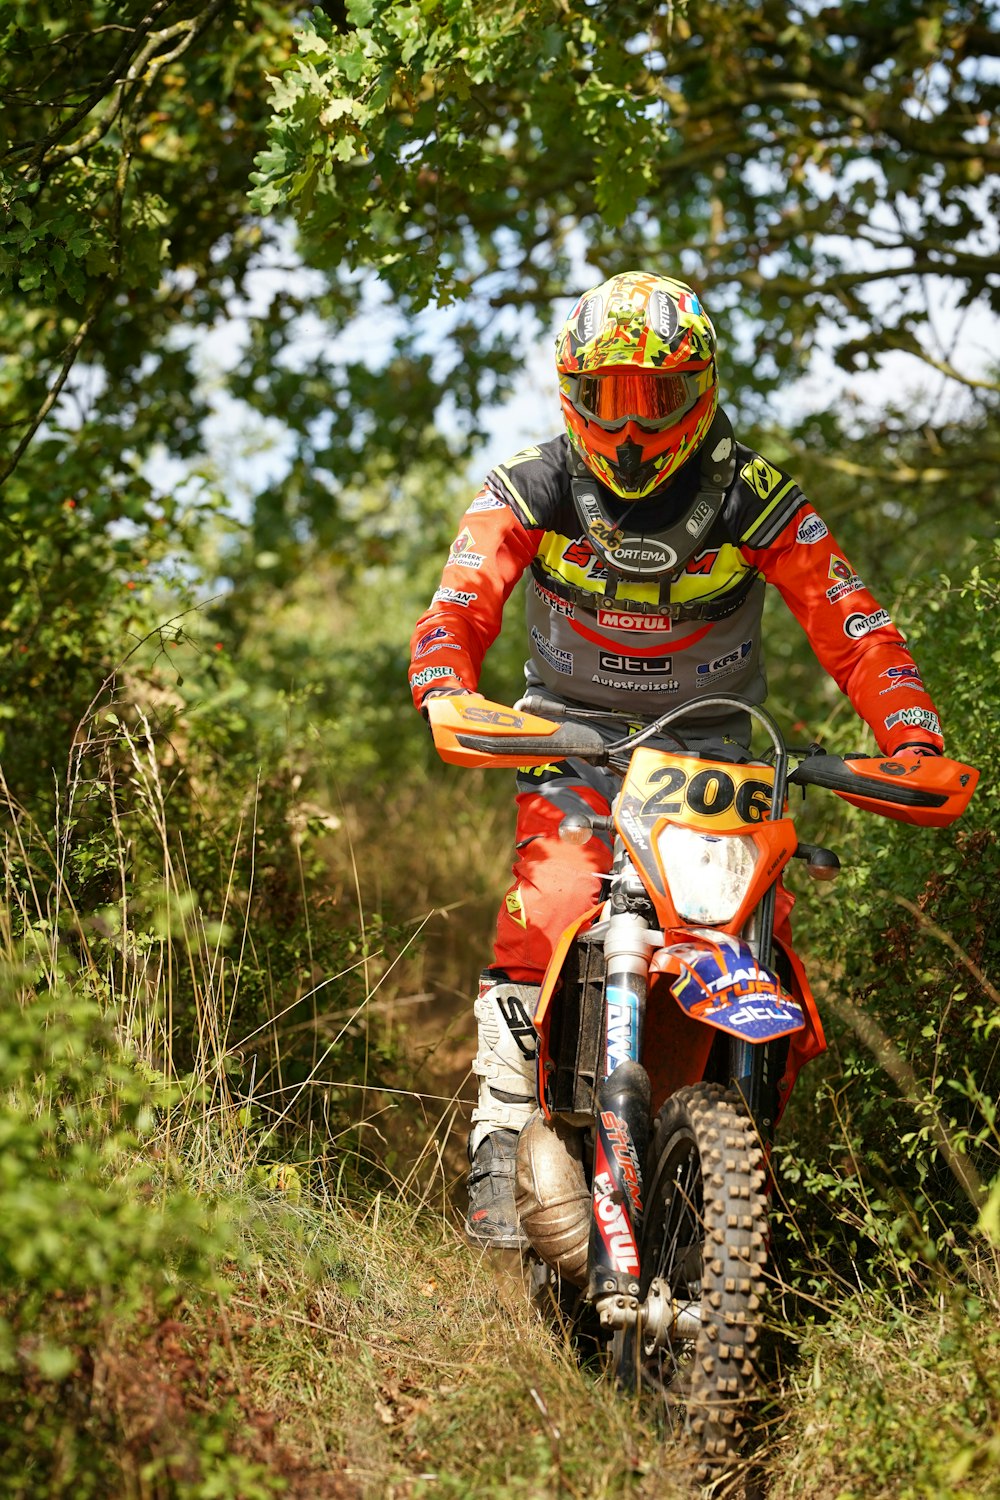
x: 471, y: 730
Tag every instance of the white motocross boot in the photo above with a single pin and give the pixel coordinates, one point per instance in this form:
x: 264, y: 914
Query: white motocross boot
x: 505, y: 1066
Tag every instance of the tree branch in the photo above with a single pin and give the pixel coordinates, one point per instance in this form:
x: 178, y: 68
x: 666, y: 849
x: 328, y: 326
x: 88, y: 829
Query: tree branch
x: 41, y: 148
x: 52, y: 395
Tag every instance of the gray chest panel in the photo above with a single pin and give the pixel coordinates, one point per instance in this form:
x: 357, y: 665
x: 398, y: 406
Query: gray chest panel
x: 642, y: 663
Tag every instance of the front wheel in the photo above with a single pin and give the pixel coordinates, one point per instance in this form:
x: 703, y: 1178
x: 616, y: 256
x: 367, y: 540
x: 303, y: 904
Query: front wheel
x: 703, y: 1250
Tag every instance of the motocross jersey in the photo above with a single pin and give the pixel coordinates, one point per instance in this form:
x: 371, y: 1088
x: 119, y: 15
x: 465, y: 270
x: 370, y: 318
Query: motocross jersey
x: 639, y: 621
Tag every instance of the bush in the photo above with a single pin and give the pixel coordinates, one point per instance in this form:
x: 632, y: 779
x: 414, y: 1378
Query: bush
x: 908, y: 939
x: 96, y: 1244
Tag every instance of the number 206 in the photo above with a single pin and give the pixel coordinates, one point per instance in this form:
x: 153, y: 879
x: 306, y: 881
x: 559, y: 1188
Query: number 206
x: 707, y: 793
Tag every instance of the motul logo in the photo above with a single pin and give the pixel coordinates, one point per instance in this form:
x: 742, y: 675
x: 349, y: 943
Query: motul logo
x: 613, y: 619
x: 614, y: 1226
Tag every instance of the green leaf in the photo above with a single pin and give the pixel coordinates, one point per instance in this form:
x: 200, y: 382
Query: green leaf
x: 53, y: 1361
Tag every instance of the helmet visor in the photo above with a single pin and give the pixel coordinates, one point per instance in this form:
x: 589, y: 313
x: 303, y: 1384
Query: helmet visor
x: 651, y: 399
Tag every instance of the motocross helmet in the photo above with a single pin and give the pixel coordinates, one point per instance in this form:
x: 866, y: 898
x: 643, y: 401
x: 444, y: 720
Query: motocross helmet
x: 637, y: 380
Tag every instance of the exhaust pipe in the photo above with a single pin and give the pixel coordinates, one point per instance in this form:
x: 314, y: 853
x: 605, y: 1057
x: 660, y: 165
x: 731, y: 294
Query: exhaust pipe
x: 552, y: 1197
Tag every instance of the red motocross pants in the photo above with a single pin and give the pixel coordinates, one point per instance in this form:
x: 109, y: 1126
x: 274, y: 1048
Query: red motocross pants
x: 553, y: 881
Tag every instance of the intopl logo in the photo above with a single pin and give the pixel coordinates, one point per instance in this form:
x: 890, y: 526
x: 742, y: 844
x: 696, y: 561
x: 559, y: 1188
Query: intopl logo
x: 858, y: 625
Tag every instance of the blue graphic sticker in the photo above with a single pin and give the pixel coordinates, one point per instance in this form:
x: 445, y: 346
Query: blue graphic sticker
x: 726, y: 987
x: 623, y: 1027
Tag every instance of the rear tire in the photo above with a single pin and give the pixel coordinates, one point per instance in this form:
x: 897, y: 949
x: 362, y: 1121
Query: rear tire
x: 704, y: 1235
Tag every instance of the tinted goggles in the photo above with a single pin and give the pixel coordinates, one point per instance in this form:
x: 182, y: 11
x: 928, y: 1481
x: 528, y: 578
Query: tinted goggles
x: 653, y: 400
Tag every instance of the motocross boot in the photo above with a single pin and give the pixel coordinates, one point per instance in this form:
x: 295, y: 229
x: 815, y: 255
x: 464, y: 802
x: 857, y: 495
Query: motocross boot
x: 505, y: 1067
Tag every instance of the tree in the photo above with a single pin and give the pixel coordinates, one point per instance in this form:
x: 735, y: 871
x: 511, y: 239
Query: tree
x: 129, y: 133
x: 826, y: 173
x: 454, y: 157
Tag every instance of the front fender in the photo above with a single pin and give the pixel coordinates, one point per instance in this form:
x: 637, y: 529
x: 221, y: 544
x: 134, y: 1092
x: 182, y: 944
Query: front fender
x: 719, y: 982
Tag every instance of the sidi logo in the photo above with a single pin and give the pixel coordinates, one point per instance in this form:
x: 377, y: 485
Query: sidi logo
x: 519, y: 1024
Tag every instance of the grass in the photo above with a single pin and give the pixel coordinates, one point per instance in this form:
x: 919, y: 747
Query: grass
x: 357, y: 1346
x: 894, y: 1398
x: 417, y: 1368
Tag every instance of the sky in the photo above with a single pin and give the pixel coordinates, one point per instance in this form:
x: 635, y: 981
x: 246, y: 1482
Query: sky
x: 249, y: 452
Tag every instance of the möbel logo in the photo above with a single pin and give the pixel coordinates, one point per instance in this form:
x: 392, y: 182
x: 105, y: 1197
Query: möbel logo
x: 811, y: 529
x: 917, y: 718
x: 430, y: 674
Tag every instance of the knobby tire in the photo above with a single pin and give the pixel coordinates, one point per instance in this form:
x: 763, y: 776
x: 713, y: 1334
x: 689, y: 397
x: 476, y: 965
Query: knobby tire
x: 704, y: 1233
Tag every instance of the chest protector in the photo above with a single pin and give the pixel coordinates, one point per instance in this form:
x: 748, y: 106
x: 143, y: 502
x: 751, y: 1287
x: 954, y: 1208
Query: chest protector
x: 632, y: 555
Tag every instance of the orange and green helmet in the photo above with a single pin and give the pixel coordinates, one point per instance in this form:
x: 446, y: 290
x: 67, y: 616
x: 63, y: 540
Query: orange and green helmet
x: 637, y: 380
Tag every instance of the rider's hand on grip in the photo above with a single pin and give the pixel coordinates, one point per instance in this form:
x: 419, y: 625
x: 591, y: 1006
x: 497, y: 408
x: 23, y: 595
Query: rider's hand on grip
x: 441, y: 693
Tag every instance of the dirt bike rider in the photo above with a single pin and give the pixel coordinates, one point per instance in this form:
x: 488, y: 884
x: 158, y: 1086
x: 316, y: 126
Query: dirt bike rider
x: 649, y: 532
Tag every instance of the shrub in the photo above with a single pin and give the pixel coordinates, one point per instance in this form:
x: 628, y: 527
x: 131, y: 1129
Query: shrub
x: 95, y: 1242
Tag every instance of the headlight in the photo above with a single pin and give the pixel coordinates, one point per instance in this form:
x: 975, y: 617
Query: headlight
x: 708, y: 874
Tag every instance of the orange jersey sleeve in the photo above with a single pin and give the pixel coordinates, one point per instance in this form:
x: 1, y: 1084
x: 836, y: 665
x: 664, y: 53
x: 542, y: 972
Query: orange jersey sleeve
x: 853, y: 637
x: 487, y: 557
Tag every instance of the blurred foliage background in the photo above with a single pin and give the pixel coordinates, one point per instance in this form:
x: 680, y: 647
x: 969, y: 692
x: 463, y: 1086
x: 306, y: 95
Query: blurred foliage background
x: 274, y: 286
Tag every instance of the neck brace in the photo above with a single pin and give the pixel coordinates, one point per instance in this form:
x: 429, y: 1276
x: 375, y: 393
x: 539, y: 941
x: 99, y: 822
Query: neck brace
x: 633, y: 554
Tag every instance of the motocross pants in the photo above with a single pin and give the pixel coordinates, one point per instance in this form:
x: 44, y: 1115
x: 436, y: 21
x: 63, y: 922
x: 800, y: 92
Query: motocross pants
x: 553, y: 883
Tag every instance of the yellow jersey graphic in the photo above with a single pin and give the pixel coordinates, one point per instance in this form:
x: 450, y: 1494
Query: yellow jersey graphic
x: 760, y: 476
x: 515, y: 906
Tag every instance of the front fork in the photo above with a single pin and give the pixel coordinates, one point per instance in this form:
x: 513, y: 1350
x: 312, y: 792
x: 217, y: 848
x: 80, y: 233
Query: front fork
x: 751, y: 1066
x: 624, y: 1101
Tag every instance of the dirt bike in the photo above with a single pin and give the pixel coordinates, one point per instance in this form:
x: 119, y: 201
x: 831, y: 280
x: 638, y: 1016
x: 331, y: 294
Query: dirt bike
x: 672, y: 1021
